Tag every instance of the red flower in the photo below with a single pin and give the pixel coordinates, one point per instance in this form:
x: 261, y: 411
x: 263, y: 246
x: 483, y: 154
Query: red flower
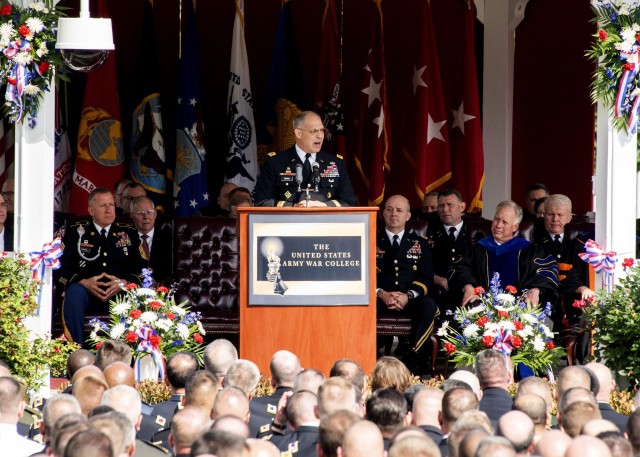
x: 478, y: 290
x: 162, y: 290
x: 518, y: 325
x: 579, y: 304
x: 487, y: 341
x: 11, y: 81
x: 136, y: 313
x: 450, y: 348
x: 483, y: 320
x: 98, y: 344
x: 628, y: 66
x: 154, y: 340
x: 170, y: 316
x: 511, y: 289
x: 131, y: 286
x: 155, y: 305
x: 43, y: 67
x: 626, y: 263
x: 5, y: 10
x: 602, y: 34
x: 550, y: 345
x: 23, y: 262
x: 516, y: 341
x: 503, y: 314
x: 132, y: 337
x: 198, y: 338
x: 24, y: 30
x: 637, y: 37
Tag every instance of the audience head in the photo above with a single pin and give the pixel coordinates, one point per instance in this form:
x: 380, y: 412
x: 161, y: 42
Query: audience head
x: 495, y: 446
x: 118, y: 188
x: 11, y: 404
x: 337, y: 393
x: 129, y: 193
x: 143, y: 213
x: 8, y: 193
x: 223, y: 196
x: 538, y: 386
x: 239, y: 200
x: 468, y: 378
x: 397, y: 212
x: 450, y: 207
x: 89, y: 442
x: 301, y: 408
x: 201, y: 390
x: 587, y: 446
x: 119, y: 429
x: 414, y: 446
x: 427, y: 407
x: 218, y: 357
x: 101, y: 207
x: 604, y: 379
x: 261, y: 448
x: 333, y: 427
x: 126, y: 400
x: 533, y: 406
x: 572, y: 376
x: 88, y: 389
x: 633, y: 430
x: 284, y: 367
x: 390, y: 372
x: 506, y: 221
x: 387, y: 409
x: 54, y: 408
x: 64, y: 429
x: 532, y: 193
x: 517, y: 427
x: 617, y: 443
x: 575, y: 415
x: 553, y: 443
x: 351, y: 371
x: 557, y: 213
x: 187, y: 424
x: 538, y: 207
x: 119, y: 373
x: 430, y: 202
x: 468, y: 421
x: 243, y: 374
x: 470, y: 442
x: 363, y: 439
x: 113, y: 351
x: 231, y: 401
x: 454, y: 404
x: 596, y: 427
x: 180, y: 366
x: 492, y: 369
x: 573, y: 395
x: 219, y: 443
x: 309, y: 380
x: 232, y: 424
x: 79, y: 359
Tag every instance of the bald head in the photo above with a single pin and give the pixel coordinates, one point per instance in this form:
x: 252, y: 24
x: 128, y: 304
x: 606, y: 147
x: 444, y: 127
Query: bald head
x: 232, y: 424
x: 218, y: 357
x: 587, y: 446
x: 79, y: 359
x: 187, y: 424
x: 201, y: 390
x: 470, y: 442
x: 243, y: 374
x: 284, y: 367
x: 363, y: 439
x: 427, y: 406
x: 468, y: 378
x: 537, y: 386
x: 597, y: 426
x: 414, y: 446
x: 231, y: 401
x: 119, y: 374
x: 605, y: 380
x: 572, y: 376
x: 126, y: 400
x: 553, y: 443
x: 535, y: 407
x: 309, y: 380
x: 337, y: 393
x: 495, y: 446
x: 88, y: 390
x: 517, y: 427
x: 261, y: 448
x: 56, y: 407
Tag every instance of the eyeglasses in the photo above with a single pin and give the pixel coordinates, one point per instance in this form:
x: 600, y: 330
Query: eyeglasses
x: 315, y: 132
x: 4, y: 206
x: 129, y: 198
x: 8, y: 193
x: 148, y: 212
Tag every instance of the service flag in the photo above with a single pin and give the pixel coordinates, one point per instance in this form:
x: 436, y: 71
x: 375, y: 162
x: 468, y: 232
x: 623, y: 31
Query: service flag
x: 100, y: 155
x: 190, y: 179
x: 328, y: 99
x: 62, y: 165
x: 285, y: 93
x: 427, y: 137
x: 467, y: 157
x: 242, y: 158
x: 7, y: 151
x: 372, y: 154
x: 148, y: 165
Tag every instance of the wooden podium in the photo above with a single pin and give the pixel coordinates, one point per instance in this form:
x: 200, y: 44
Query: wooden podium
x: 318, y: 334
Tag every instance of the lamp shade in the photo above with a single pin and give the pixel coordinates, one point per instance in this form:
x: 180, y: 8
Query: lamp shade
x: 84, y: 33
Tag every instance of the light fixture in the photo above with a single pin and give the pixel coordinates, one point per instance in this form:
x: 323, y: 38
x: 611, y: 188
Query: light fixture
x: 84, y: 41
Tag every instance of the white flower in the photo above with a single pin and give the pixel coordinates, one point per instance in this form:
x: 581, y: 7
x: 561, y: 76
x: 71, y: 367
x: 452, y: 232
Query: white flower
x: 183, y: 331
x: 35, y: 24
x: 505, y: 308
x: 149, y: 316
x: 177, y: 310
x: 121, y: 309
x: 527, y: 331
x: 38, y: 6
x: 23, y: 58
x: 117, y: 331
x: 144, y: 291
x: 538, y: 343
x: 442, y: 331
x: 201, y: 328
x: 507, y: 325
x: 42, y: 50
x: 471, y: 330
x: 96, y: 327
x: 93, y: 335
x: 506, y: 298
x: 6, y: 30
x: 475, y: 310
x: 548, y: 333
x: 529, y: 318
x: 164, y: 324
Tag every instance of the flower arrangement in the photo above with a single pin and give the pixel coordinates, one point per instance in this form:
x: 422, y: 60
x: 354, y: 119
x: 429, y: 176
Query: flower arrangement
x: 615, y: 316
x: 150, y: 322
x: 503, y: 321
x: 28, y: 56
x: 615, y: 48
x: 27, y: 356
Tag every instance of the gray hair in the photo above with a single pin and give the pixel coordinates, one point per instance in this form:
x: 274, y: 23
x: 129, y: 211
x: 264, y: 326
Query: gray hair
x: 514, y: 206
x: 557, y: 200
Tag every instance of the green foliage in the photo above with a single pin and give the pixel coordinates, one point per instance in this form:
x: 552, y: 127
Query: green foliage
x: 26, y: 355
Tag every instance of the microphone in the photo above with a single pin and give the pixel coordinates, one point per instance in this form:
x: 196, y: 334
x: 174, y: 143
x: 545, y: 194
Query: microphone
x: 299, y: 174
x: 316, y: 172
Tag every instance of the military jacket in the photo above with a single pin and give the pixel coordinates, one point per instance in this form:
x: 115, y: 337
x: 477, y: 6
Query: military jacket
x: 277, y: 184
x: 86, y: 253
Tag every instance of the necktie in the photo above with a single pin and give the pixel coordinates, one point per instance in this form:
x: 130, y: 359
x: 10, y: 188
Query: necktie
x: 306, y: 169
x: 145, y: 246
x: 556, y: 242
x: 452, y: 236
x: 395, y: 244
x: 103, y: 233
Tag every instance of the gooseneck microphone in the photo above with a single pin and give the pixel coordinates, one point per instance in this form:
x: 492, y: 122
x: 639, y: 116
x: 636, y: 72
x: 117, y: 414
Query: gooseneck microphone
x: 299, y: 175
x: 316, y: 172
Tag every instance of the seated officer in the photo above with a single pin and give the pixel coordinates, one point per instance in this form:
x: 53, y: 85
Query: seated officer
x: 100, y: 256
x: 278, y: 181
x: 519, y: 263
x: 405, y: 277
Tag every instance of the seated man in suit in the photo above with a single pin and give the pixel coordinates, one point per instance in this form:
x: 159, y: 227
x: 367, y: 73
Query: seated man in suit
x: 156, y: 243
x: 405, y: 276
x: 519, y: 263
x: 448, y: 239
x: 428, y: 208
x: 278, y: 181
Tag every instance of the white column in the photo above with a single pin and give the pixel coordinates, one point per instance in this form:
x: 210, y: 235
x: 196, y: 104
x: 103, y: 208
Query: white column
x: 500, y: 21
x: 615, y: 198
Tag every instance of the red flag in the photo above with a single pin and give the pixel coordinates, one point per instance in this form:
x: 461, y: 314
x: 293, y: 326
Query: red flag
x: 465, y: 132
x: 328, y: 99
x: 373, y: 125
x: 99, y: 159
x: 427, y: 138
x: 7, y: 151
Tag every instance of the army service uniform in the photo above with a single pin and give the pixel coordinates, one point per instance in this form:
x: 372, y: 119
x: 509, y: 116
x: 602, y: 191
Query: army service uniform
x: 86, y: 253
x: 277, y: 184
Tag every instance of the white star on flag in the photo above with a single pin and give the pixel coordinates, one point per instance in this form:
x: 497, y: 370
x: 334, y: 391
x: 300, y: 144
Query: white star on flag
x: 379, y: 121
x: 205, y: 196
x: 192, y: 102
x: 433, y: 129
x: 417, y: 78
x: 459, y: 118
x: 176, y: 204
x: 193, y: 203
x: 373, y: 91
x: 179, y: 100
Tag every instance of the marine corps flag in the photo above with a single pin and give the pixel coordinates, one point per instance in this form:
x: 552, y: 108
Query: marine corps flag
x: 373, y: 125
x: 328, y: 99
x: 242, y: 158
x: 427, y: 137
x: 190, y: 181
x: 99, y: 158
x: 285, y: 93
x: 148, y: 156
x: 467, y: 157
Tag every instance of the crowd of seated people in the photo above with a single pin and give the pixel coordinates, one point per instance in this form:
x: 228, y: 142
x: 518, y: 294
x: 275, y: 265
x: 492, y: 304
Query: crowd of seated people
x: 214, y: 410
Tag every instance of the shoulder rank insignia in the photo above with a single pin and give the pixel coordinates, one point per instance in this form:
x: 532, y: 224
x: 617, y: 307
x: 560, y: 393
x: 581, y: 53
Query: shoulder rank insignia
x: 271, y: 154
x: 265, y: 428
x: 339, y: 156
x: 272, y: 409
x: 161, y: 421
